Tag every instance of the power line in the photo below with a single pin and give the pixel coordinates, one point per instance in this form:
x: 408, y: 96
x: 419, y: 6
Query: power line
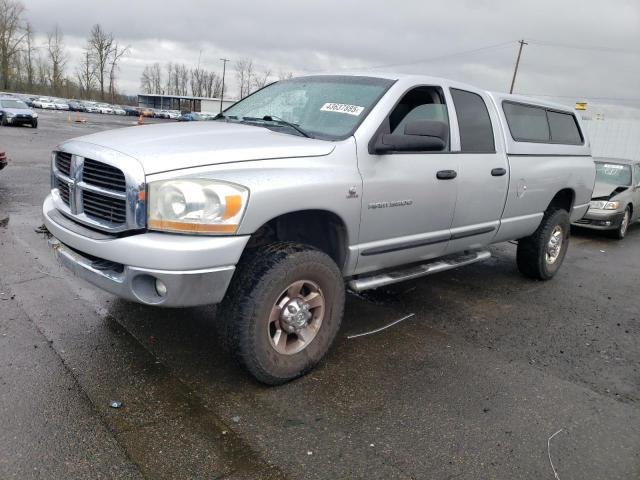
x: 542, y: 43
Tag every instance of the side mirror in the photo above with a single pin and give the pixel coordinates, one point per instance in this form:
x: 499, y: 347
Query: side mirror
x: 419, y: 136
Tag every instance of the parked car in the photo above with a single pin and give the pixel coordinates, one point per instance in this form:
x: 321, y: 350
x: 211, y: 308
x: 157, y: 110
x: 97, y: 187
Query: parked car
x: 3, y: 160
x: 615, y: 204
x: 193, y: 117
x: 90, y: 107
x: 44, y: 103
x: 311, y: 182
x: 61, y: 104
x: 117, y: 110
x: 14, y: 111
x: 104, y: 108
x: 77, y: 106
x: 147, y: 112
x: 131, y: 111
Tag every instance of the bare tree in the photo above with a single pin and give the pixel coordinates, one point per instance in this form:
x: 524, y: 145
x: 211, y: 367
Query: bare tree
x: 57, y: 59
x: 86, y: 74
x: 101, y: 44
x: 285, y: 75
x: 262, y: 80
x: 169, y: 85
x: 27, y: 58
x: 244, y: 74
x: 117, y: 53
x: 12, y: 33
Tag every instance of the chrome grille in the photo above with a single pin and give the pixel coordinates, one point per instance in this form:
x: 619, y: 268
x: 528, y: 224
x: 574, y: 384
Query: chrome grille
x: 103, y: 175
x: 107, y: 195
x: 63, y: 189
x: 63, y: 162
x: 105, y: 208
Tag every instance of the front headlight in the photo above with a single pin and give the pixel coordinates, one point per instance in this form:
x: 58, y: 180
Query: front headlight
x: 34, y: 115
x: 604, y: 205
x: 10, y: 115
x: 196, y: 206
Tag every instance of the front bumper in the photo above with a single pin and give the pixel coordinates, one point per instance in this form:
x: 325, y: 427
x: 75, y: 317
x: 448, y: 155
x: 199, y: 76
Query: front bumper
x: 195, y: 270
x: 601, y: 220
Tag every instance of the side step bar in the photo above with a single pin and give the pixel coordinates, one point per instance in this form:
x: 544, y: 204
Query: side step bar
x: 435, y: 266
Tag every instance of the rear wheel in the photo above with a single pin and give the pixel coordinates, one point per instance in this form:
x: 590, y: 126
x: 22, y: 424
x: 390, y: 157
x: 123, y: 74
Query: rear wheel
x: 282, y: 311
x: 541, y: 254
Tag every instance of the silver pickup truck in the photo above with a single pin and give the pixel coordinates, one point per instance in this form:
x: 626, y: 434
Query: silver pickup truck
x: 311, y: 183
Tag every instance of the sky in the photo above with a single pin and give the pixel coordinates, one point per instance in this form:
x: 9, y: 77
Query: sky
x: 577, y: 49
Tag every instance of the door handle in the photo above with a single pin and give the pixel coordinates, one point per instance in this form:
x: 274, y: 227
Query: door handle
x: 498, y: 172
x: 446, y: 174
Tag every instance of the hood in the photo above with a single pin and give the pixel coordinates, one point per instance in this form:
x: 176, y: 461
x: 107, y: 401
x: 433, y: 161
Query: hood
x: 605, y: 191
x: 18, y: 111
x: 160, y: 148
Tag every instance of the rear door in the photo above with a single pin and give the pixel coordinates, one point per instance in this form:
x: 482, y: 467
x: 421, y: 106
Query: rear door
x: 483, y: 172
x: 636, y: 191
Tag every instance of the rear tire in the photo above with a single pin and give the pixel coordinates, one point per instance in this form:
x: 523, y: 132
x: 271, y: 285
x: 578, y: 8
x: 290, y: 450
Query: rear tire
x: 288, y: 288
x: 541, y: 254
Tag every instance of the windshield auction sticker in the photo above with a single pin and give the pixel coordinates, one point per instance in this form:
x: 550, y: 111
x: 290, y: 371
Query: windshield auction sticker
x: 342, y: 108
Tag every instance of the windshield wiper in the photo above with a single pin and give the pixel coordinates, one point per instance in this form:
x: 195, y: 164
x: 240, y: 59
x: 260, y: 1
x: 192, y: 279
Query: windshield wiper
x: 280, y: 121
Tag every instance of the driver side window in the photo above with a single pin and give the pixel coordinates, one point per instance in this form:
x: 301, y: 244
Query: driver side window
x: 420, y: 104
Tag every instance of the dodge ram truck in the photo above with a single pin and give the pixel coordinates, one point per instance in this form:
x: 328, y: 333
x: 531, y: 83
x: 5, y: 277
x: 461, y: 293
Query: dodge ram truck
x: 308, y: 187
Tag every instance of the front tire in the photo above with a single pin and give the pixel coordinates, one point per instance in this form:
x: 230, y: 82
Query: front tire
x: 282, y: 311
x: 34, y: 124
x: 621, y: 231
x: 540, y: 255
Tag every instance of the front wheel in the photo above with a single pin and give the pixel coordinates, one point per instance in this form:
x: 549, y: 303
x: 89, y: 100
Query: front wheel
x: 621, y: 231
x: 541, y: 254
x: 34, y: 124
x: 282, y: 311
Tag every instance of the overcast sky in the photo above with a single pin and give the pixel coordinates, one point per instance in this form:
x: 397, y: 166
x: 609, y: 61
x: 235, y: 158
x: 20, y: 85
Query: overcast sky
x: 420, y: 36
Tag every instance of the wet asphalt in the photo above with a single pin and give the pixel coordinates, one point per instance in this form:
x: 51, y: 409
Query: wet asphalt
x: 473, y: 386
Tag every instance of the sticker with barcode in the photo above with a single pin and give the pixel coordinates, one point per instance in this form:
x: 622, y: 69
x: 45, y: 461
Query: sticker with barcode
x: 342, y: 108
x: 614, y: 166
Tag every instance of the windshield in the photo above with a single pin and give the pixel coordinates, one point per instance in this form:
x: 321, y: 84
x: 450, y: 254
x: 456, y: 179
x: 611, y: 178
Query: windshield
x: 326, y: 107
x: 13, y: 104
x: 613, y: 174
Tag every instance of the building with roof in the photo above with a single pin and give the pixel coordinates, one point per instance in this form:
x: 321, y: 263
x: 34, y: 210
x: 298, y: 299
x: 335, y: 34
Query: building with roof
x: 183, y: 103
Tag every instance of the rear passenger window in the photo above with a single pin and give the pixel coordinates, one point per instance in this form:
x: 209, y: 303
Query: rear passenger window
x: 527, y: 123
x: 476, y: 131
x: 564, y: 128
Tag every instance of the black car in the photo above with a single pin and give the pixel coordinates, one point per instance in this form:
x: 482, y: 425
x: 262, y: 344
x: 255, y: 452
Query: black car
x: 14, y: 111
x: 76, y: 106
x: 131, y: 111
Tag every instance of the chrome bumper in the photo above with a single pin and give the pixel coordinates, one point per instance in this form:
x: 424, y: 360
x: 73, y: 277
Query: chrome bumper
x: 194, y: 270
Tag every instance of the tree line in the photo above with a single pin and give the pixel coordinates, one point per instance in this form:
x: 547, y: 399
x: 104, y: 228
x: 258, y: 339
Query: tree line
x: 41, y: 68
x: 179, y: 79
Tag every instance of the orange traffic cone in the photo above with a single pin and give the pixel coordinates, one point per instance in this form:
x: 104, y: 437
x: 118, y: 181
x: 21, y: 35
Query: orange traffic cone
x: 78, y: 119
x: 141, y: 119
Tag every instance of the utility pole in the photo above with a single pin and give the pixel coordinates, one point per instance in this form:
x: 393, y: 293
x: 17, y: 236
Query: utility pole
x: 515, y: 72
x: 224, y: 69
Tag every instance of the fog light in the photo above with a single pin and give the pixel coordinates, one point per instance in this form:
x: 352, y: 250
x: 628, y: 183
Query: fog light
x: 161, y: 288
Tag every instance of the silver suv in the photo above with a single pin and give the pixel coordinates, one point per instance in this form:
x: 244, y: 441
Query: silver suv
x: 310, y: 182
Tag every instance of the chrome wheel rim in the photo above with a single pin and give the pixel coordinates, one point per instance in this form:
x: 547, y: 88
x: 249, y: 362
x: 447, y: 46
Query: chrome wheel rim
x: 554, y: 247
x: 625, y: 223
x: 296, y: 317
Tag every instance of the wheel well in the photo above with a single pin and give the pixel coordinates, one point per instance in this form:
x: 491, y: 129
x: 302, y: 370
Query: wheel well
x: 563, y: 199
x: 319, y: 228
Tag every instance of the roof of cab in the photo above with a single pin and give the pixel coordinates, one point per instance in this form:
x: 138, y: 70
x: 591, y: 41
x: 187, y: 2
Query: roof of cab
x: 498, y: 97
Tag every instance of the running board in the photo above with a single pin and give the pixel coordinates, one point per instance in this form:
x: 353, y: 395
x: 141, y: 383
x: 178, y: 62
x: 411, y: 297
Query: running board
x: 435, y: 266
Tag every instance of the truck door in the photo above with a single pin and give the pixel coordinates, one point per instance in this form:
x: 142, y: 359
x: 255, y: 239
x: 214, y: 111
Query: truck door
x: 408, y: 197
x: 483, y: 173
